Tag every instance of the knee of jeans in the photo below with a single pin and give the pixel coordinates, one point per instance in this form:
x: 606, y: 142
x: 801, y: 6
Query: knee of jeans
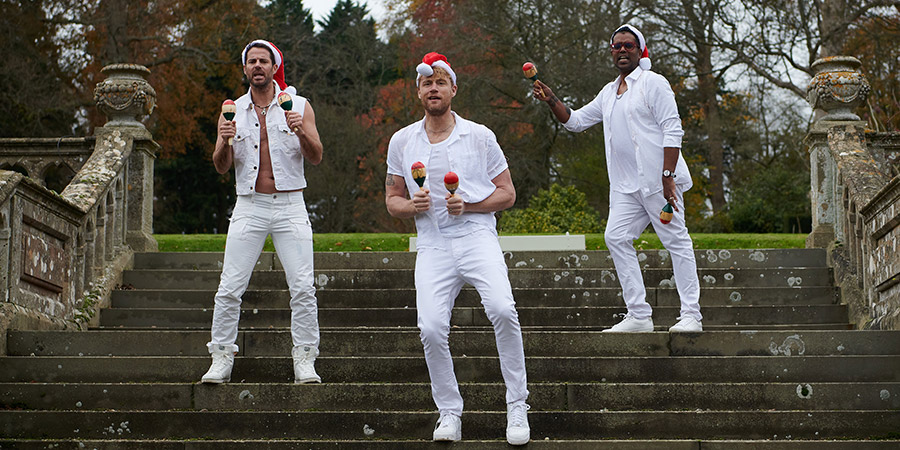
x: 433, y: 331
x: 501, y: 312
x: 615, y: 236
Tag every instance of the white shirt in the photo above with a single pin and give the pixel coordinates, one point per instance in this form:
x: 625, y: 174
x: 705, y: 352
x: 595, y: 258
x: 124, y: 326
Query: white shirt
x: 652, y: 122
x: 284, y: 146
x: 472, y: 153
x: 624, y: 158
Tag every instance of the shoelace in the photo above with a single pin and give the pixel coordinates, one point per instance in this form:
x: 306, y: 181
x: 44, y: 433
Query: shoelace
x: 517, y: 415
x: 443, y: 422
x: 220, y: 362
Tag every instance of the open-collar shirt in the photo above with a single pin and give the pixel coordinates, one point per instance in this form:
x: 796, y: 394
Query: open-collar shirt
x: 473, y: 154
x: 652, y: 123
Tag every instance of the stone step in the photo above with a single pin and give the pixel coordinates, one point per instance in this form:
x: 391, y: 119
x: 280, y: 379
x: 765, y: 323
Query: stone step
x: 837, y: 326
x: 531, y: 278
x: 475, y: 316
x: 476, y: 425
x: 406, y: 342
x: 400, y: 297
x: 745, y: 258
x: 401, y: 369
x: 409, y: 444
x: 478, y: 396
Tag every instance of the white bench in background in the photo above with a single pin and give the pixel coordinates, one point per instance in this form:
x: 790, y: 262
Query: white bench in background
x: 533, y: 242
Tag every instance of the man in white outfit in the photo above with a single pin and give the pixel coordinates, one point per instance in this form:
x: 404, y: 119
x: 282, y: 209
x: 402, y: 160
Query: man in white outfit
x: 457, y: 241
x: 642, y: 130
x: 268, y: 150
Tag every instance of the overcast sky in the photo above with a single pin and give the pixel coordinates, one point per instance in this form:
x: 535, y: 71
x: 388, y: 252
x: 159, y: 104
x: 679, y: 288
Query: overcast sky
x: 321, y: 8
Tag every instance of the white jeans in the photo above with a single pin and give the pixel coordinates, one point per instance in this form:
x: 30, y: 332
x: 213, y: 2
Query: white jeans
x: 255, y: 216
x: 629, y: 215
x: 475, y: 259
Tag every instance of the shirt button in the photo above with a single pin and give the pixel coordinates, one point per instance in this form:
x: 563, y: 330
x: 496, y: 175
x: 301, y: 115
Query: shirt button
x: 254, y: 167
x: 254, y: 146
x: 256, y: 124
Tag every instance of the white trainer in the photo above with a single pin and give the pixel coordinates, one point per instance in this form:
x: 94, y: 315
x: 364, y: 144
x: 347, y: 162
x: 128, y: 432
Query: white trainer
x: 305, y: 364
x: 220, y: 370
x: 517, y: 430
x: 448, y: 428
x: 631, y: 325
x: 686, y: 325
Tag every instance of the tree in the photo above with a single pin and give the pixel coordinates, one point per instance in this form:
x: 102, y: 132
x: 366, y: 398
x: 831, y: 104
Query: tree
x: 36, y: 89
x: 876, y: 42
x: 687, y: 32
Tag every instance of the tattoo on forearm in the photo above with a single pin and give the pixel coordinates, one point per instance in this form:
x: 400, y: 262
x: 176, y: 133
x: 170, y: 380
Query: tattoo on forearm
x: 553, y: 100
x: 389, y: 181
x: 568, y: 110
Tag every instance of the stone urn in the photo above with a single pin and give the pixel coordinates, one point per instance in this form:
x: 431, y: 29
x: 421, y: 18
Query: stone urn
x: 837, y: 88
x: 125, y: 95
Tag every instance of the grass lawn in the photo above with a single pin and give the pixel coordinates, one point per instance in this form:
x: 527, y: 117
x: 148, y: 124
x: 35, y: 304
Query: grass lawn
x: 356, y: 242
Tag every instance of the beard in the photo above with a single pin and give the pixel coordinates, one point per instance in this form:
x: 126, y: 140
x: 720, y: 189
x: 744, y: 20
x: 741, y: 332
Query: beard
x: 436, y: 110
x: 266, y: 81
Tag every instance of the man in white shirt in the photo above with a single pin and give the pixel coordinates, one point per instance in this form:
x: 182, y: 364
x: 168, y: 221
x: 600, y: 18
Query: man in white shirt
x: 642, y: 130
x: 267, y: 146
x: 457, y: 241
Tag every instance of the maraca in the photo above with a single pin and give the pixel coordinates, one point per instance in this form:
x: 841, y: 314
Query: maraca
x: 418, y: 173
x: 531, y: 73
x: 228, y: 111
x: 665, y: 216
x: 451, y: 182
x: 285, y: 102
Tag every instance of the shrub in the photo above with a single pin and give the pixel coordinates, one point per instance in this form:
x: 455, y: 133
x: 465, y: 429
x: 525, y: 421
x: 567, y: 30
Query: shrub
x: 559, y: 209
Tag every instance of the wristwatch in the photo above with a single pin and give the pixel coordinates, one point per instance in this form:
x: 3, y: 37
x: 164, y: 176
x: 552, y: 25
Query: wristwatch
x: 668, y: 174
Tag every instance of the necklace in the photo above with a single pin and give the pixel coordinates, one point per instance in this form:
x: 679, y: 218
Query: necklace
x: 262, y: 109
x: 442, y: 131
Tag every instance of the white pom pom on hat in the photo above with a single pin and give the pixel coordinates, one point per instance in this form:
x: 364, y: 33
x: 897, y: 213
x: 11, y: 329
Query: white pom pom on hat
x: 645, y: 53
x: 429, y: 62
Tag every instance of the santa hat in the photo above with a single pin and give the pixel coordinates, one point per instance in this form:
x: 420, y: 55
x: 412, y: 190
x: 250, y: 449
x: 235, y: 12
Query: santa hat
x: 429, y: 62
x: 279, y: 61
x: 645, y: 54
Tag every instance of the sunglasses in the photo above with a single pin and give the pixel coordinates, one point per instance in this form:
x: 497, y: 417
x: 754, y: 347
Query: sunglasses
x: 618, y: 46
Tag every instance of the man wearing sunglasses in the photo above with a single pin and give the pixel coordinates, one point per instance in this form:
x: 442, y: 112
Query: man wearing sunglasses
x: 642, y: 132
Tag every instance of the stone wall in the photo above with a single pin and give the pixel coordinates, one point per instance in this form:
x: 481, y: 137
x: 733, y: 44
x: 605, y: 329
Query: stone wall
x: 855, y: 199
x: 63, y: 253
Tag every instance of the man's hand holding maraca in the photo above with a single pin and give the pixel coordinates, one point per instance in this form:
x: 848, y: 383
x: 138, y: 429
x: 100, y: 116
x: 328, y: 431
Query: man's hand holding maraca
x: 294, y: 122
x: 421, y: 200
x: 455, y: 203
x: 540, y: 91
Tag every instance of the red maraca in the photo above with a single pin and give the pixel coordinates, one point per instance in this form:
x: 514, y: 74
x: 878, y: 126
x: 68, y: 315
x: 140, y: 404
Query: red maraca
x: 531, y: 73
x: 228, y: 111
x: 285, y: 102
x: 418, y: 173
x: 451, y: 182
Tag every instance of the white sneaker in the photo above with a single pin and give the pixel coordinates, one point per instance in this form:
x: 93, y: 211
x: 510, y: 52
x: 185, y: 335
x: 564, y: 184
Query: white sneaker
x: 448, y: 428
x: 631, y: 325
x: 305, y: 364
x: 220, y: 370
x: 686, y: 325
x: 517, y: 430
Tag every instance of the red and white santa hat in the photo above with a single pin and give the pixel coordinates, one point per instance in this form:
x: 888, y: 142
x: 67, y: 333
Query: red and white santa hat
x: 645, y: 54
x: 279, y: 61
x: 429, y: 62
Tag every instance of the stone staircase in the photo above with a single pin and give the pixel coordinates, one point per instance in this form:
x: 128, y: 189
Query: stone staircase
x: 778, y: 366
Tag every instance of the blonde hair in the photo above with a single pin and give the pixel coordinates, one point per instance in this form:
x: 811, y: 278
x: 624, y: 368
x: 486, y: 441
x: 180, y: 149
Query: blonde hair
x: 439, y: 72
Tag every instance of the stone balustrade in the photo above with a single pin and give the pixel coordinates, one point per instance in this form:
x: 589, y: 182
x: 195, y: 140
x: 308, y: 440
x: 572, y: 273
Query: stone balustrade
x: 855, y: 196
x: 63, y: 252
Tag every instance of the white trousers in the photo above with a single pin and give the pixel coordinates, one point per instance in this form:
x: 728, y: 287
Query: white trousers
x: 629, y: 215
x: 440, y: 274
x: 255, y: 216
